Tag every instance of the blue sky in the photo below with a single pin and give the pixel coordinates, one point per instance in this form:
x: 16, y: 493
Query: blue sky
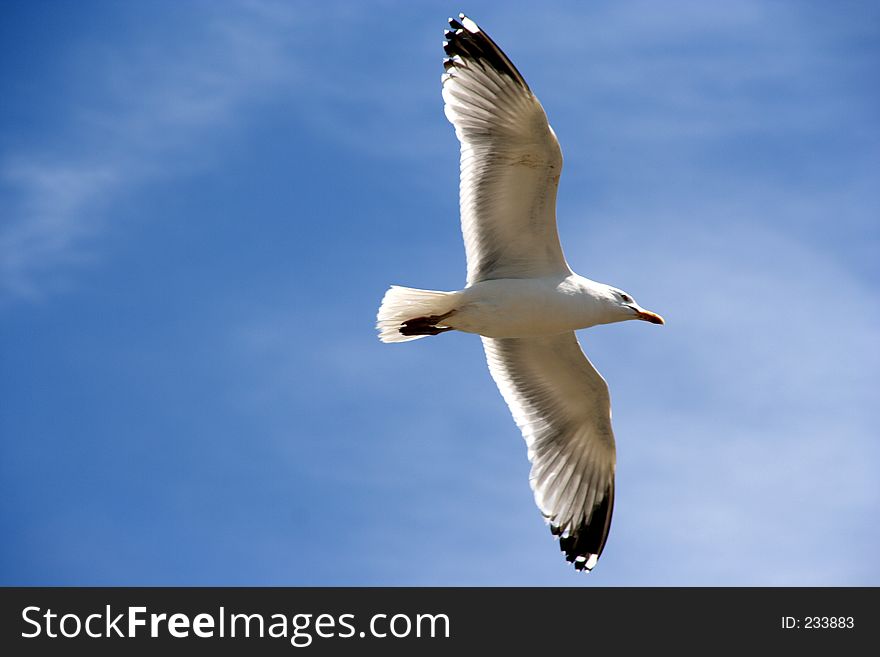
x: 203, y: 203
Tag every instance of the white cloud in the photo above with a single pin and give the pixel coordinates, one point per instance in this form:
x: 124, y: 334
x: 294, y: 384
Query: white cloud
x: 153, y: 107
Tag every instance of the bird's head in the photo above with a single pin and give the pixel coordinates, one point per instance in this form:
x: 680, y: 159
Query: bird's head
x: 627, y: 308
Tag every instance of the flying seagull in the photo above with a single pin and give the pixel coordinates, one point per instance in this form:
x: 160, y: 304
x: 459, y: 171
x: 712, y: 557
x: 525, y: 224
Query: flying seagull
x: 521, y: 296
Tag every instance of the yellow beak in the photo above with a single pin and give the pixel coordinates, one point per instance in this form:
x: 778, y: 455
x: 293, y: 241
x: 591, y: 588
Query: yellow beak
x: 648, y: 316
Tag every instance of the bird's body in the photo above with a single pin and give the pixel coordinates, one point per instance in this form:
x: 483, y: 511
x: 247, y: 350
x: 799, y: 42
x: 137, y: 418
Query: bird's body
x: 526, y: 307
x: 521, y: 296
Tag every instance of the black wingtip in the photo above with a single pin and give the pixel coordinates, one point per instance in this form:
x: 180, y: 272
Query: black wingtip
x: 584, y: 544
x: 478, y: 46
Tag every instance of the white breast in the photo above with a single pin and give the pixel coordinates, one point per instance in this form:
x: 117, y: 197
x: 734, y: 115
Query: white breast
x: 516, y: 308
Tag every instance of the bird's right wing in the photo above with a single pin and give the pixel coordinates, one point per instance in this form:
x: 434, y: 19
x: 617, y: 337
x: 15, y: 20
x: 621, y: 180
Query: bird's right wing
x: 561, y: 404
x: 510, y: 161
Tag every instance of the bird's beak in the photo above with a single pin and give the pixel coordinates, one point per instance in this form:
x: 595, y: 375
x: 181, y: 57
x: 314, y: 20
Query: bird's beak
x: 648, y: 316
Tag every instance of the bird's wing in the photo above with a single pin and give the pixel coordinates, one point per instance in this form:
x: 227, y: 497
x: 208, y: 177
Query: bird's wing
x: 510, y: 161
x: 561, y: 404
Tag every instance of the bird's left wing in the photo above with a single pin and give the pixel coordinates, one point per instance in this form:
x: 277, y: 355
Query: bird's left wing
x: 561, y: 404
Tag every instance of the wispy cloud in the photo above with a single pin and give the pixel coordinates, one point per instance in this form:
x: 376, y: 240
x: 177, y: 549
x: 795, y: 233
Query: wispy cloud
x: 148, y: 109
x: 51, y: 217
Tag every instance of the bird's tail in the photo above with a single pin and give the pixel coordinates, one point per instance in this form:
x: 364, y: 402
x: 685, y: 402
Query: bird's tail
x: 409, y: 314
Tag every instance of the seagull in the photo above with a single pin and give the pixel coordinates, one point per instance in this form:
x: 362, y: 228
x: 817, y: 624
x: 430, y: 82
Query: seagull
x: 521, y: 296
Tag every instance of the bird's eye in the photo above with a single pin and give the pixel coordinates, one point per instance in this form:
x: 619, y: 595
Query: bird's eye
x: 625, y: 297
